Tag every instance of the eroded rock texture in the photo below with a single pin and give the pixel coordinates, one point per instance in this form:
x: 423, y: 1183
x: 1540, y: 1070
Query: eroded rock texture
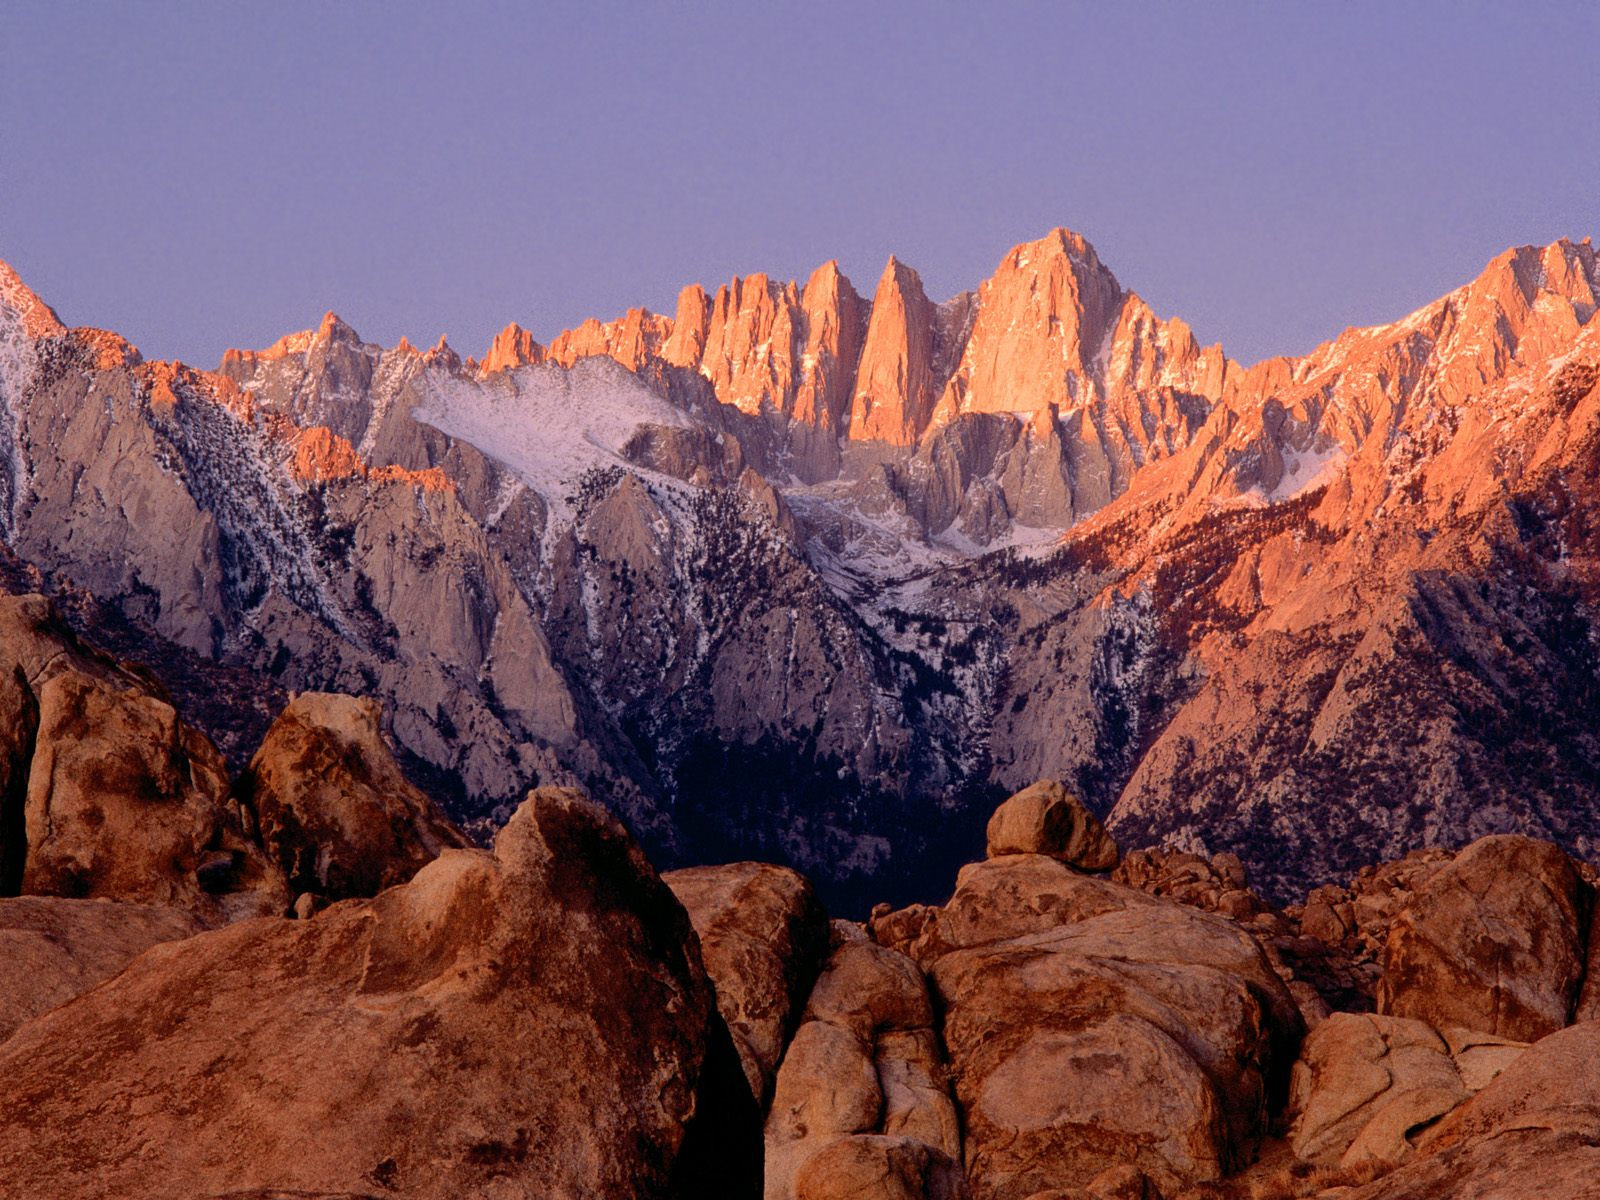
x: 529, y: 1022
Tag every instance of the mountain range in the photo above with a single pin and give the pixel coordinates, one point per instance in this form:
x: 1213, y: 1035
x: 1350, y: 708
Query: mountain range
x: 801, y: 575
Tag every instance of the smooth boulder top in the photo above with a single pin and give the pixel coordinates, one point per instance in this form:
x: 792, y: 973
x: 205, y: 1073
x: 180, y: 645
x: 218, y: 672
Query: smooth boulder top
x: 1049, y: 819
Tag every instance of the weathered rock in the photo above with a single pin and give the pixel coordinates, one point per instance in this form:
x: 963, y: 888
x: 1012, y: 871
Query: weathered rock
x: 52, y: 950
x: 1048, y: 819
x: 126, y: 802
x: 763, y: 936
x: 1495, y: 942
x: 103, y: 791
x: 866, y: 1060
x: 875, y: 1167
x: 1090, y: 1026
x: 1365, y: 1085
x: 1114, y: 1183
x: 533, y: 1022
x: 1533, y: 1131
x: 332, y: 806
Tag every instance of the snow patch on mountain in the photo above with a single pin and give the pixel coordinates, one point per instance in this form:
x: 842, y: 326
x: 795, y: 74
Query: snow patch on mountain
x: 547, y: 423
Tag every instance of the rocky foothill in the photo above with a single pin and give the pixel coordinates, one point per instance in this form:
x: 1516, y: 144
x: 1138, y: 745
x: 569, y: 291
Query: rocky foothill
x: 303, y: 981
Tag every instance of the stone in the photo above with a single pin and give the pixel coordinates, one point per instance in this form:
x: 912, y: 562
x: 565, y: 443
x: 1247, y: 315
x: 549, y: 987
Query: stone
x: 1366, y: 1084
x: 763, y: 936
x: 126, y: 802
x: 533, y: 1021
x: 1495, y: 941
x: 52, y: 950
x: 104, y: 792
x: 1093, y: 1026
x: 1048, y: 819
x: 1533, y: 1131
x: 866, y: 1060
x: 332, y: 806
x: 875, y: 1167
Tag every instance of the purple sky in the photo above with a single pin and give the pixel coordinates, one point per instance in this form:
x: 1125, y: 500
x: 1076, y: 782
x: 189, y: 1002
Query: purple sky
x: 203, y: 175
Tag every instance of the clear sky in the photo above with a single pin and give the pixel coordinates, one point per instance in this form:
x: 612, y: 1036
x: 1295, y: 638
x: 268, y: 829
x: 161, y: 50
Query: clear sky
x: 212, y: 174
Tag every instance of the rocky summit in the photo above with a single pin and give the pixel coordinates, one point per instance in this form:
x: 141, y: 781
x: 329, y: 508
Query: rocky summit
x: 817, y: 745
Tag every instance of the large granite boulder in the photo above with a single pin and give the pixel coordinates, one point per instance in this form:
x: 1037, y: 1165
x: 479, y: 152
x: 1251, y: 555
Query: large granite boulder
x: 865, y: 1063
x: 1366, y: 1084
x: 105, y: 793
x: 532, y: 1022
x: 1495, y: 941
x: 333, y: 808
x: 1049, y: 819
x: 1532, y: 1132
x: 1092, y: 1026
x: 763, y: 936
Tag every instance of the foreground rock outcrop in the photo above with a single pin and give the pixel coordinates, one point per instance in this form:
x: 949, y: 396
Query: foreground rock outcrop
x: 332, y: 806
x: 862, y: 1089
x: 52, y: 950
x: 1534, y: 1132
x: 106, y: 792
x: 535, y: 1022
x: 763, y: 937
x: 1494, y: 941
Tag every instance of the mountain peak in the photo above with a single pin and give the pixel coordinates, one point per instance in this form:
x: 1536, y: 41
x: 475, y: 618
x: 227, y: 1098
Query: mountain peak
x: 335, y: 329
x: 512, y: 347
x: 39, y: 320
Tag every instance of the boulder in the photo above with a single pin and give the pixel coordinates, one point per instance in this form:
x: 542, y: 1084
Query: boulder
x: 1366, y: 1084
x: 1114, y: 1183
x: 874, y: 1167
x: 1533, y: 1131
x: 763, y: 937
x: 1495, y: 941
x: 1048, y: 819
x: 1092, y: 1026
x: 532, y: 1022
x: 52, y: 950
x: 126, y: 802
x: 866, y: 1060
x: 104, y: 792
x: 333, y: 808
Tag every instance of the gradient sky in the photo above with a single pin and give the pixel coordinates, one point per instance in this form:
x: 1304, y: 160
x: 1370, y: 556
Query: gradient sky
x: 203, y: 175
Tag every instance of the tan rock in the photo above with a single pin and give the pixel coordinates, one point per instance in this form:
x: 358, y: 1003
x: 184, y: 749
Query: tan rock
x: 1114, y: 1183
x: 1049, y: 819
x: 531, y: 1022
x: 866, y: 1060
x: 1534, y: 1131
x: 332, y: 806
x: 1480, y: 1057
x: 125, y: 802
x: 1493, y: 942
x: 52, y: 950
x: 874, y: 1167
x: 763, y: 937
x: 1365, y: 1084
x: 1091, y: 1026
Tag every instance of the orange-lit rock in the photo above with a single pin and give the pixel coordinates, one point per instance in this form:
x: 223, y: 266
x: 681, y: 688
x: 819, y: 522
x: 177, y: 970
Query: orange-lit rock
x: 895, y: 387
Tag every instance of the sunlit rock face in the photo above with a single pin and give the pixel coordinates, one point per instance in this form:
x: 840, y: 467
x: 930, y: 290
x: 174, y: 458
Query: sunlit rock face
x: 798, y: 574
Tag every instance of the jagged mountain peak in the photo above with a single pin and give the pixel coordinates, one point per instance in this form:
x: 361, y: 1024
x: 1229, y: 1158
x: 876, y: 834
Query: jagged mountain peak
x: 37, y: 318
x: 512, y: 347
